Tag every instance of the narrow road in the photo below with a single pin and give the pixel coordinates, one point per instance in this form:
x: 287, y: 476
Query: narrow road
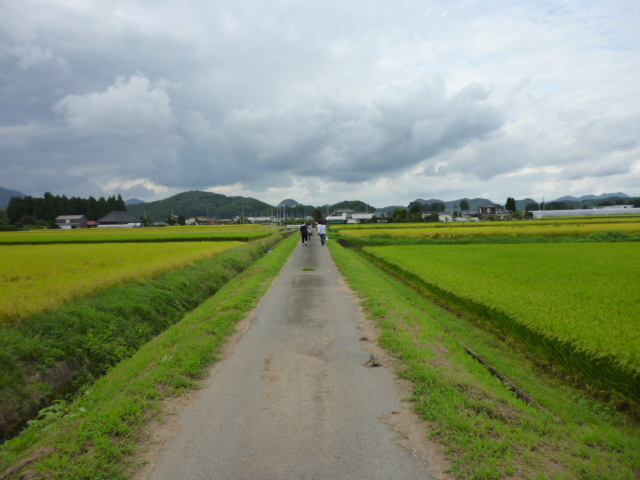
x: 294, y: 400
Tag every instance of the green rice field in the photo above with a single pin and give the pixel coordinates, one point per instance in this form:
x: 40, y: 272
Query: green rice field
x: 490, y: 229
x: 567, y: 300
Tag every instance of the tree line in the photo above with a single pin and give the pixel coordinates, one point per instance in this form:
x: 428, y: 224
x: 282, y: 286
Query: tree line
x: 29, y: 210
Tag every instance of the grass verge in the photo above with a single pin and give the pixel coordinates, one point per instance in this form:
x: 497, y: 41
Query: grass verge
x: 487, y: 430
x: 93, y: 437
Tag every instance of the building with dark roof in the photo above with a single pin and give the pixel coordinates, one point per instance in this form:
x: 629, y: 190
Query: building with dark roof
x: 116, y: 217
x: 71, y: 221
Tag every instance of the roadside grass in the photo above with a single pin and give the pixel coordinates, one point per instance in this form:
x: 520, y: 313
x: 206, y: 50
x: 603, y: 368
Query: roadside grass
x: 95, y: 436
x: 488, y: 432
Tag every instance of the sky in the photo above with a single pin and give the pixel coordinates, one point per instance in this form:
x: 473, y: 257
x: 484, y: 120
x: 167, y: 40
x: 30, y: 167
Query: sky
x: 320, y: 101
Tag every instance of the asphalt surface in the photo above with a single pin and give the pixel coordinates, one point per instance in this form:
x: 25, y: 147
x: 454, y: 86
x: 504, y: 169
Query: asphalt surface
x: 294, y: 399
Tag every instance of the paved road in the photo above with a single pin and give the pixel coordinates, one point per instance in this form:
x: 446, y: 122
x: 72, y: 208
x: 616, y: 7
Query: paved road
x: 293, y: 400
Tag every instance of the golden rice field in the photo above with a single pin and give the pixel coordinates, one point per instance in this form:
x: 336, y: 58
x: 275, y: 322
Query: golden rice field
x: 34, y: 278
x: 582, y: 296
x: 491, y: 229
x: 151, y: 234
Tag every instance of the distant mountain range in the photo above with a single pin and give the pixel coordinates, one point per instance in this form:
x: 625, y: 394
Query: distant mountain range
x: 215, y: 205
x: 474, y: 203
x: 569, y: 198
x: 6, y: 194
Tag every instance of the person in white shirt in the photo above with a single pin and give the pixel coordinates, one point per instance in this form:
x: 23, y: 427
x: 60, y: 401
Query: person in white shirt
x: 322, y: 233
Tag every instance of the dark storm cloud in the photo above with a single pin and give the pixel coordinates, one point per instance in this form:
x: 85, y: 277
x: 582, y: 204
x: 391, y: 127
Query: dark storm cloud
x: 320, y: 136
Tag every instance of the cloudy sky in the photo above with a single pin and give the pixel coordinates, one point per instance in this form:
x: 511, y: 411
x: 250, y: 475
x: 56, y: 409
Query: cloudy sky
x: 320, y: 101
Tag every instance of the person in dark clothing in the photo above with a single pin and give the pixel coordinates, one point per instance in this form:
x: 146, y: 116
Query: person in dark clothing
x: 304, y: 233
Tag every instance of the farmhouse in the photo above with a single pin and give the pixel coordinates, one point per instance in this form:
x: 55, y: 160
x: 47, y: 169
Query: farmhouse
x: 486, y: 209
x: 350, y: 216
x: 200, y: 220
x: 117, y: 218
x: 492, y: 209
x: 260, y: 219
x: 68, y: 222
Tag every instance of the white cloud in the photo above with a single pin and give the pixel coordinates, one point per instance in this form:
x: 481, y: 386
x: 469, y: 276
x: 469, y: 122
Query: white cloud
x: 127, y: 109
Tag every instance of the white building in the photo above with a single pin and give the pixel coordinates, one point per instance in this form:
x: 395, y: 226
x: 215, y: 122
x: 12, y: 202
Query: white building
x: 588, y: 212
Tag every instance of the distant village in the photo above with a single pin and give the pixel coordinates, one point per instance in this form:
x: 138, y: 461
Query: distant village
x: 490, y: 211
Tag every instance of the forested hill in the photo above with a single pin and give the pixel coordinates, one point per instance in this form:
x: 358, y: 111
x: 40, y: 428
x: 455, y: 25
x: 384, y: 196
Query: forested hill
x: 355, y: 205
x: 30, y: 210
x: 196, y: 203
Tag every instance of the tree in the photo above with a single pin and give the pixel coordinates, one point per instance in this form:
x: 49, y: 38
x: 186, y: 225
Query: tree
x: 464, y: 205
x: 400, y: 214
x: 317, y: 216
x: 636, y: 203
x: 146, y: 221
x: 531, y: 207
x: 102, y: 208
x: 414, y: 207
x: 92, y: 209
x: 49, y: 207
x: 511, y: 205
x: 121, y: 206
x: 181, y: 219
x: 14, y: 209
x: 437, y: 207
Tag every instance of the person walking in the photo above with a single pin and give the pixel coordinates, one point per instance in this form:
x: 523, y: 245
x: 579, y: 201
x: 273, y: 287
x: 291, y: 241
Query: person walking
x: 304, y: 233
x: 322, y: 233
